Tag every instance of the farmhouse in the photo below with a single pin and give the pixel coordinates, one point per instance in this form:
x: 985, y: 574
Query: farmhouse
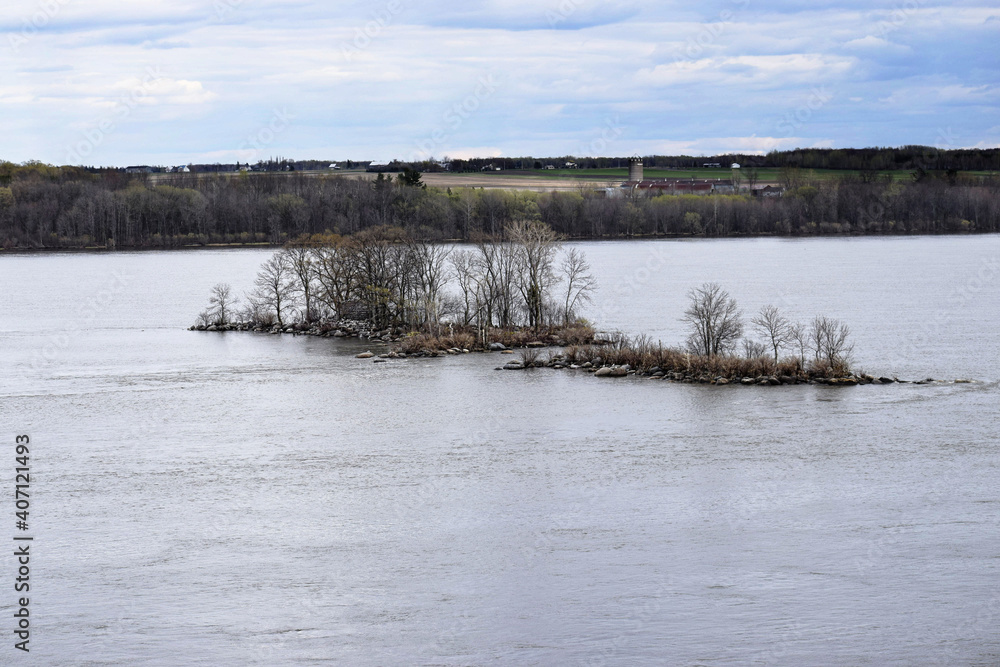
x: 673, y: 186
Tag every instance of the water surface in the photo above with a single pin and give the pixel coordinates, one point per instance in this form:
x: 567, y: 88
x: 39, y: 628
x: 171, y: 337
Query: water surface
x: 253, y: 499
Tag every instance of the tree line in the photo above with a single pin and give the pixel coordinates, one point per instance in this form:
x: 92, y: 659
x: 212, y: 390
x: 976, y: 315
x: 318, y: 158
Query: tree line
x: 46, y: 207
x: 717, y: 328
x: 383, y: 276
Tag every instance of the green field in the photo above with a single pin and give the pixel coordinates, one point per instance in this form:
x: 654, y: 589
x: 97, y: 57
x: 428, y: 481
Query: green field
x: 765, y: 175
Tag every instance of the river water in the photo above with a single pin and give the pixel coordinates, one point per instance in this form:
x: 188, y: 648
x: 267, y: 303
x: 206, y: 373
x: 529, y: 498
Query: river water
x: 231, y: 499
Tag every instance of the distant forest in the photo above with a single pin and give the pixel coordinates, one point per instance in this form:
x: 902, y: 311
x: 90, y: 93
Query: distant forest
x: 65, y: 207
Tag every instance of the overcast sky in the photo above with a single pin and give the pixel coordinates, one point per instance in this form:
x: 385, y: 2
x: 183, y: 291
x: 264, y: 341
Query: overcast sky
x: 177, y: 81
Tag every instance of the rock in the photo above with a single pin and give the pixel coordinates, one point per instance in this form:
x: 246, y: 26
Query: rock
x: 587, y: 365
x: 747, y: 381
x: 964, y: 381
x: 612, y: 372
x: 381, y: 361
x: 365, y: 355
x: 497, y: 347
x: 598, y: 362
x: 508, y: 352
x: 885, y: 380
x: 536, y: 343
x: 212, y: 328
x: 722, y: 381
x: 788, y: 379
x: 603, y: 372
x: 514, y: 366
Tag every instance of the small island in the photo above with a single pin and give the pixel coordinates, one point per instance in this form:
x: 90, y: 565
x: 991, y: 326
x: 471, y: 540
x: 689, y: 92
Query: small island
x: 519, y: 290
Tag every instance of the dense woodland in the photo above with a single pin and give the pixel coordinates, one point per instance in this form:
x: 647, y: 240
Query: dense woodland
x: 50, y: 207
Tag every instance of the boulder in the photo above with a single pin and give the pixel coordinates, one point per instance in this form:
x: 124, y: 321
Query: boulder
x: 747, y: 381
x: 536, y: 343
x: 497, y: 347
x: 603, y: 372
x: 365, y: 355
x: 514, y: 366
x: 722, y: 381
x: 885, y: 380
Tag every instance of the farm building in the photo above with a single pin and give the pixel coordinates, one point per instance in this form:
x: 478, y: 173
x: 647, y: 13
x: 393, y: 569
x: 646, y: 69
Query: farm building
x: 673, y: 186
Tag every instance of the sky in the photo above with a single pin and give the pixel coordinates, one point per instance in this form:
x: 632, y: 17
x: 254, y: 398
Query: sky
x: 171, y: 82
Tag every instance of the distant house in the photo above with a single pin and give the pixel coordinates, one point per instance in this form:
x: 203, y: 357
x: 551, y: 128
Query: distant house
x: 736, y: 165
x: 572, y: 165
x: 768, y: 191
x: 550, y: 166
x: 378, y: 166
x: 334, y: 166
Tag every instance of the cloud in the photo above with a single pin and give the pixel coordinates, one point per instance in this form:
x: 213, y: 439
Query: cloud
x: 876, y: 45
x: 522, y: 15
x: 778, y: 71
x: 374, y: 79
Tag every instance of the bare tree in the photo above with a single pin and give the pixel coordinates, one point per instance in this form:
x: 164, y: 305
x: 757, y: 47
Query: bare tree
x: 463, y: 266
x: 799, y: 335
x: 537, y: 245
x: 716, y: 322
x: 580, y: 283
x: 300, y: 260
x: 830, y: 341
x: 430, y: 276
x: 753, y: 349
x: 335, y: 273
x: 221, y: 304
x: 774, y: 327
x: 275, y: 289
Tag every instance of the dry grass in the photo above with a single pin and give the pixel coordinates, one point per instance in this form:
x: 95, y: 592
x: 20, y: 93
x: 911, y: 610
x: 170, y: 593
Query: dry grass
x: 644, y: 356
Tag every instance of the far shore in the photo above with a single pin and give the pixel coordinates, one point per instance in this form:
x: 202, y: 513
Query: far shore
x: 571, y: 239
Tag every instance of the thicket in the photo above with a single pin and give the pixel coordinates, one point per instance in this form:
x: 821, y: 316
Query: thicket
x: 44, y: 207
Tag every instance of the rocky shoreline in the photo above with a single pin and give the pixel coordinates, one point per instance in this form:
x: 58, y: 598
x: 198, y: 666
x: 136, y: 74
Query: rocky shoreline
x: 348, y: 329
x: 341, y: 329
